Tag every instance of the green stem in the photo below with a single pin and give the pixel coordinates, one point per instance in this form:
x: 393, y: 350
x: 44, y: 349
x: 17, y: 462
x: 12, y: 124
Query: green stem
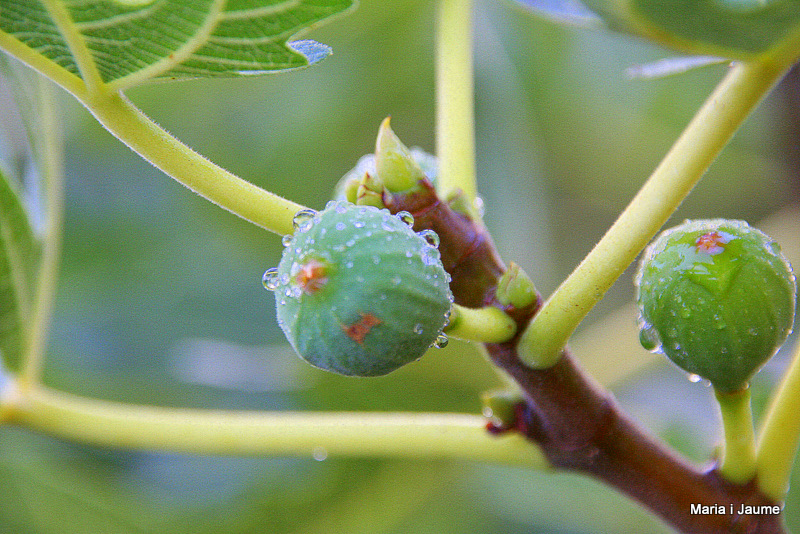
x: 52, y: 174
x: 709, y: 131
x: 738, y: 461
x: 75, y: 41
x: 408, y: 435
x: 780, y: 434
x: 486, y: 325
x: 221, y: 187
x: 150, y: 141
x: 455, y: 116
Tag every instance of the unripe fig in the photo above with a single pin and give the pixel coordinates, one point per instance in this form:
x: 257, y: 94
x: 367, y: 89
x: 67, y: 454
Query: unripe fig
x: 358, y: 292
x: 718, y: 298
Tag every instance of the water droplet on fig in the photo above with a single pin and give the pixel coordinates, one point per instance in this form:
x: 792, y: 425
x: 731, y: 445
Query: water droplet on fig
x: 649, y: 338
x: 270, y: 279
x: 286, y: 240
x: 303, y: 220
x: 441, y: 341
x: 430, y: 256
x: 406, y: 217
x: 430, y: 237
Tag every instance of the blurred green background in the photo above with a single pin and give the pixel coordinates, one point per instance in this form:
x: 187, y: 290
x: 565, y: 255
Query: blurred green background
x: 160, y: 298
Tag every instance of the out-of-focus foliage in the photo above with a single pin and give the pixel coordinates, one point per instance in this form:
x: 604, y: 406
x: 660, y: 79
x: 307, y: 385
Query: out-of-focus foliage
x: 160, y: 299
x: 737, y: 29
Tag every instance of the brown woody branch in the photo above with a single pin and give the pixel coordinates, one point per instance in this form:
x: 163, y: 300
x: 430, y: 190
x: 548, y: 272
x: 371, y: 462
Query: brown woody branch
x: 577, y: 423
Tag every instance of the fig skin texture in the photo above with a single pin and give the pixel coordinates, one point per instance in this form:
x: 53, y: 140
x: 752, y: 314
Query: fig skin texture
x: 359, y: 293
x: 718, y: 298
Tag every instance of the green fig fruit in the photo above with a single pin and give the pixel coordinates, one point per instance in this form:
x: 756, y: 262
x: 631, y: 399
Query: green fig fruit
x: 358, y: 292
x: 717, y: 297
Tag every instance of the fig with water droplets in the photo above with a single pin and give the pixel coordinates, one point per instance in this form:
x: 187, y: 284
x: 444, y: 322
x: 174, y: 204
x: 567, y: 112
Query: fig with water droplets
x: 358, y: 292
x: 717, y: 297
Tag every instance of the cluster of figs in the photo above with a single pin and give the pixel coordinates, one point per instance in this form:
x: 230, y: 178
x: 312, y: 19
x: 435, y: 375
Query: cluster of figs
x: 358, y: 292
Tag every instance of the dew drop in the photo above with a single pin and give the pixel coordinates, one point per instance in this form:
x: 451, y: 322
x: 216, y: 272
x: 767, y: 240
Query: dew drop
x: 340, y: 226
x: 270, y: 279
x: 418, y: 328
x: 341, y: 208
x: 441, y: 341
x: 319, y: 454
x: 359, y: 224
x: 693, y: 378
x: 406, y: 217
x: 286, y: 240
x: 376, y: 259
x: 649, y: 339
x: 430, y: 256
x: 430, y: 237
x: 303, y: 220
x: 480, y: 207
x: 396, y: 280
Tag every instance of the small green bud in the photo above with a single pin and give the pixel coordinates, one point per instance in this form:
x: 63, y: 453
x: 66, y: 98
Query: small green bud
x: 499, y: 406
x: 370, y: 192
x: 347, y: 187
x: 515, y: 288
x: 717, y: 297
x: 359, y: 293
x: 396, y: 167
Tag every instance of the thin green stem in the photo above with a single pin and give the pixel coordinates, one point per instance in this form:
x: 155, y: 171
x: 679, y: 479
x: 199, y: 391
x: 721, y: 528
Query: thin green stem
x: 738, y: 459
x: 77, y: 45
x: 455, y: 115
x: 779, y: 436
x: 52, y: 173
x: 709, y: 131
x: 221, y: 187
x: 408, y: 435
x: 485, y: 325
x: 70, y: 82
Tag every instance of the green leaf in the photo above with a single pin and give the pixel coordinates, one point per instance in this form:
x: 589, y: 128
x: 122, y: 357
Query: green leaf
x: 22, y: 171
x: 122, y: 43
x: 19, y: 253
x: 736, y: 29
